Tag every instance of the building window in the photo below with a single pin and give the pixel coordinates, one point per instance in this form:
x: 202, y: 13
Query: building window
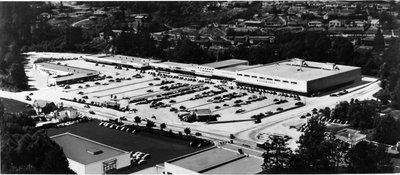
x: 239, y: 74
x: 246, y: 75
x: 110, y: 165
x: 253, y: 76
x: 293, y: 82
x: 285, y: 81
x: 169, y: 173
x: 269, y: 78
x: 277, y: 80
x: 262, y: 78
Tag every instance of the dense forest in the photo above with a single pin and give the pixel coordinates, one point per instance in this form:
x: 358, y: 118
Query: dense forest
x: 26, y: 150
x: 15, y: 20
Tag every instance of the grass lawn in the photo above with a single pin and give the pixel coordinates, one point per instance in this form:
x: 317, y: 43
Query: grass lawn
x: 11, y: 105
x: 161, y: 148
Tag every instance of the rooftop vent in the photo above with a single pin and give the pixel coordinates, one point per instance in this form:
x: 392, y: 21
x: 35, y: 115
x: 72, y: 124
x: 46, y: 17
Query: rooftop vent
x: 94, y: 151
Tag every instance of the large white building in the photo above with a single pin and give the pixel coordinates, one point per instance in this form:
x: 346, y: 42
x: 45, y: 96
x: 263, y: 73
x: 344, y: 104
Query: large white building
x: 89, y: 157
x: 174, y: 66
x: 211, y: 69
x: 130, y: 61
x: 61, y: 74
x: 299, y: 76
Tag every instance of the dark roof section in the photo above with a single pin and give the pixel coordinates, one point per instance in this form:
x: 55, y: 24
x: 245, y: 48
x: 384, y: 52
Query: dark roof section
x: 83, y: 150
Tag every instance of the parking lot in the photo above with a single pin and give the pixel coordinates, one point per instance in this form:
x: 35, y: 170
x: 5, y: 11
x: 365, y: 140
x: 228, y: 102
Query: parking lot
x: 150, y: 86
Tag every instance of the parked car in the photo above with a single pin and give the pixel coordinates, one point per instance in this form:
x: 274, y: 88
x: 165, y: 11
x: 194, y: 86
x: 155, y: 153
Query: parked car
x: 240, y: 110
x: 92, y: 112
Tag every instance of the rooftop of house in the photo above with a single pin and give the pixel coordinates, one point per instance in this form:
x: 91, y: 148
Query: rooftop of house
x: 83, y: 150
x: 350, y: 135
x: 290, y: 70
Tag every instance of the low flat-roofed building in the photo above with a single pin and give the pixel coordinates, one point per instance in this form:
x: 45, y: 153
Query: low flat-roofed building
x: 299, y: 76
x: 230, y: 72
x: 214, y: 160
x: 89, y: 157
x: 122, y: 60
x: 208, y: 69
x: 175, y: 66
x: 61, y: 74
x: 350, y: 136
x: 203, y: 114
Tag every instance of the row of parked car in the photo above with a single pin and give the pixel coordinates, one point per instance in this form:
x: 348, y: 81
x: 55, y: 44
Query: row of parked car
x: 207, y: 94
x: 117, y: 127
x: 226, y: 97
x: 254, y: 98
x: 73, y: 121
x: 174, y: 86
x: 172, y: 94
x: 139, y: 157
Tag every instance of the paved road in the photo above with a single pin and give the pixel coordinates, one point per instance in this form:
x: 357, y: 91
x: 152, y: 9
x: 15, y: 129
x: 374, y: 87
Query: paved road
x: 366, y: 92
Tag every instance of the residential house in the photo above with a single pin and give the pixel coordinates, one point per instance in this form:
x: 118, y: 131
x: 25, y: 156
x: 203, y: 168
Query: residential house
x: 334, y: 23
x: 359, y: 23
x: 350, y: 136
x: 66, y: 112
x: 314, y: 24
x: 375, y: 23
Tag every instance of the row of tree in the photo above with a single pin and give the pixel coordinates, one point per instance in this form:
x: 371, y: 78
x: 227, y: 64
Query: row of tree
x: 320, y: 152
x: 15, y: 32
x: 390, y: 75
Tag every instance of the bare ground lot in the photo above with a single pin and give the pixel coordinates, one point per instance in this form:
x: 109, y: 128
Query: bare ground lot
x: 161, y: 148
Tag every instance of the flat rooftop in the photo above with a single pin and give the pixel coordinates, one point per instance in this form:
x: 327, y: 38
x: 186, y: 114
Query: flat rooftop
x: 241, y: 67
x: 225, y: 63
x: 64, y: 68
x: 289, y: 69
x: 125, y: 58
x: 179, y: 64
x: 83, y: 150
x: 216, y: 160
x: 75, y: 72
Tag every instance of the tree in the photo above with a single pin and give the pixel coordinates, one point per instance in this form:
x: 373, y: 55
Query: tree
x: 163, y: 126
x: 379, y: 42
x: 366, y: 157
x: 187, y: 131
x: 395, y: 96
x: 316, y: 154
x: 137, y: 120
x: 150, y: 124
x: 386, y: 130
x: 18, y: 76
x: 276, y: 155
